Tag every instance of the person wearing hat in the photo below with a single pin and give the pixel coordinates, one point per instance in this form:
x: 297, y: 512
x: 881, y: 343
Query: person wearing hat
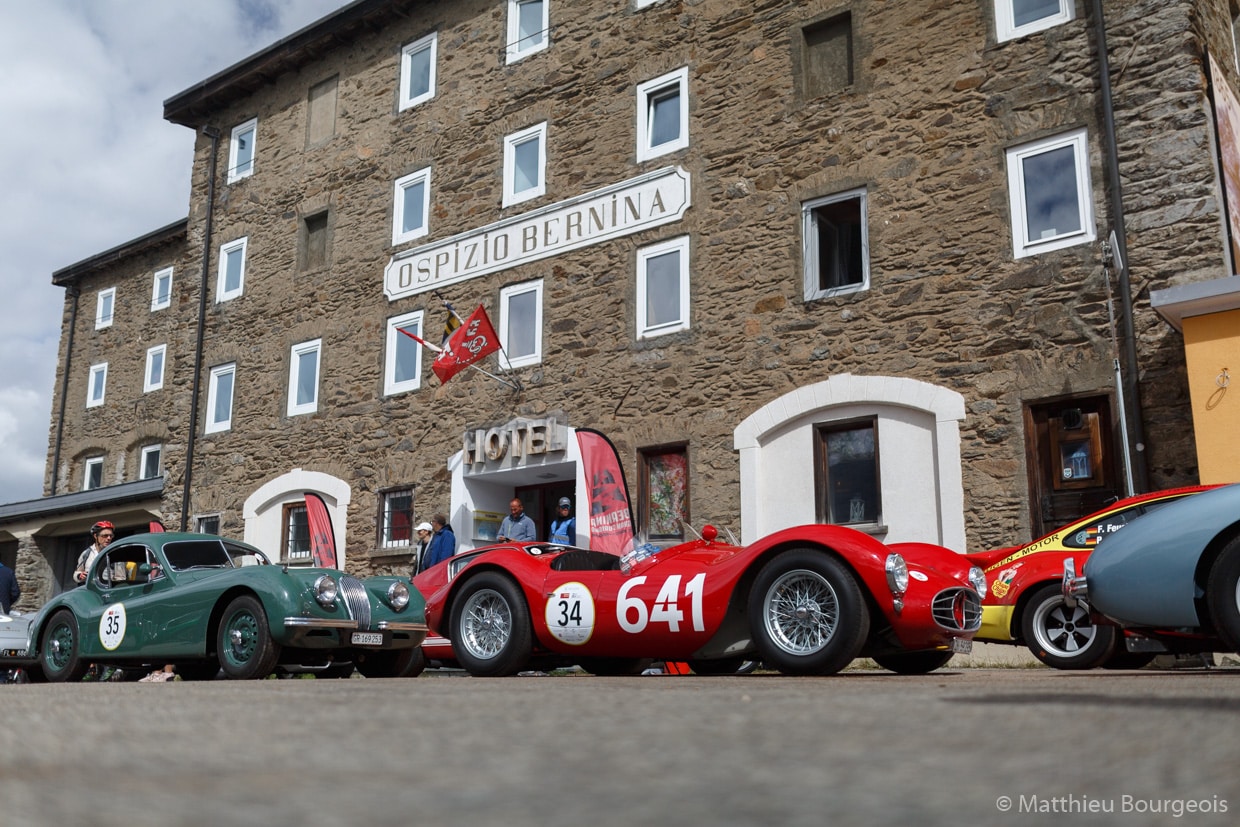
x: 102, y: 532
x: 443, y: 541
x: 423, y: 531
x: 564, y: 526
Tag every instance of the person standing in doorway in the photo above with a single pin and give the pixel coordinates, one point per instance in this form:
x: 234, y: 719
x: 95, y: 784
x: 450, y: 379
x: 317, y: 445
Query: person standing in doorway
x: 564, y: 526
x: 517, y: 526
x: 443, y: 542
x: 102, y: 532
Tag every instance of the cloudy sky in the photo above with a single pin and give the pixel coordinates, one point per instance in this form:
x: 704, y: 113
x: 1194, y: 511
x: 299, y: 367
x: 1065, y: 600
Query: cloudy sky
x: 87, y: 162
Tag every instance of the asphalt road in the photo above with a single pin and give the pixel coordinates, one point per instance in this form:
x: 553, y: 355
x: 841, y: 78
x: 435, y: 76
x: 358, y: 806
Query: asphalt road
x: 960, y: 747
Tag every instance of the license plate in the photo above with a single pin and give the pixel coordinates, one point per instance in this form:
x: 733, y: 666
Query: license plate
x: 367, y: 639
x: 961, y: 645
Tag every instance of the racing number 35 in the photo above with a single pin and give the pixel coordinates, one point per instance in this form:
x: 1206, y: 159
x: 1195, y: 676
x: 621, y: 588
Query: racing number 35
x: 633, y: 614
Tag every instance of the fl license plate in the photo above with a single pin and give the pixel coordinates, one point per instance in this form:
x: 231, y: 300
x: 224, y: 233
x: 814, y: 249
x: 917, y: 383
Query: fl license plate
x: 367, y: 639
x: 961, y: 645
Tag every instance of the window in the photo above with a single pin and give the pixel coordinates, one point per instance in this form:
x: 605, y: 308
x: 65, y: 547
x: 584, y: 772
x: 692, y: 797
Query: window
x: 154, y: 368
x: 835, y: 245
x: 207, y: 524
x: 525, y: 164
x: 241, y: 151
x: 664, y: 505
x: 1048, y: 183
x: 151, y: 465
x: 413, y: 200
x: 220, y: 398
x: 403, y: 363
x: 105, y: 308
x: 321, y: 113
x: 846, y: 473
x: 161, y: 289
x: 417, y: 71
x: 231, y: 279
x: 520, y: 323
x: 296, y: 539
x: 641, y: 4
x: 97, y: 385
x: 663, y: 115
x: 94, y: 474
x: 1017, y: 18
x: 303, y: 378
x: 827, y: 56
x: 528, y: 28
x: 314, y: 242
x: 663, y: 288
x: 397, y: 523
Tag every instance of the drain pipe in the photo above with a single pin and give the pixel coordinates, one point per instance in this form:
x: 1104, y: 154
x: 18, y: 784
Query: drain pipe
x: 195, y: 389
x: 75, y: 293
x: 1134, y: 445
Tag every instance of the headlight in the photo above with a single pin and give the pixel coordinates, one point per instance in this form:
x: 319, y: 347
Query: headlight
x: 977, y: 579
x: 897, y: 574
x: 398, y: 595
x: 326, y: 591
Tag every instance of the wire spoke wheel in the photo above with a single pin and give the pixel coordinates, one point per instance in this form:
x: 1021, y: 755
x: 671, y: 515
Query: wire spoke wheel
x: 487, y: 624
x: 801, y: 612
x: 492, y: 635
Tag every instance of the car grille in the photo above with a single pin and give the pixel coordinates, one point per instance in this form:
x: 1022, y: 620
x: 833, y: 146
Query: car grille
x: 957, y: 609
x: 356, y: 599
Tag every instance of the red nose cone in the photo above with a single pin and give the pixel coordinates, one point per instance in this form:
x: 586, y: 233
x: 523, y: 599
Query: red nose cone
x: 709, y: 533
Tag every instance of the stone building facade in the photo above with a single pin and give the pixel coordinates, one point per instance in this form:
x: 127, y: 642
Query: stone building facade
x: 864, y: 262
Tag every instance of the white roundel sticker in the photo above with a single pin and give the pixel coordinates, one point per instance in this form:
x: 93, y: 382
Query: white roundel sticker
x: 112, y: 626
x: 570, y: 614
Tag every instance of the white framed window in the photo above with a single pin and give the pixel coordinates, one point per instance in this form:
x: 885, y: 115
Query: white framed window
x: 663, y: 288
x: 663, y: 114
x: 1048, y: 184
x: 520, y: 324
x: 230, y: 281
x: 412, y: 206
x: 835, y: 245
x: 417, y: 71
x: 105, y: 308
x: 525, y: 164
x: 396, y: 529
x: 161, y: 289
x: 303, y: 378
x: 402, y: 369
x: 241, y: 151
x: 151, y: 464
x: 220, y: 398
x: 529, y: 28
x: 97, y: 386
x: 207, y: 524
x: 1017, y: 18
x: 155, y: 359
x: 641, y: 4
x: 93, y: 476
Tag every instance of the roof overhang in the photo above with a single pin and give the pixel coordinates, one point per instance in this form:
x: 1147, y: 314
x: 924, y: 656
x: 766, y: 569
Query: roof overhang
x: 1197, y: 299
x: 95, y: 499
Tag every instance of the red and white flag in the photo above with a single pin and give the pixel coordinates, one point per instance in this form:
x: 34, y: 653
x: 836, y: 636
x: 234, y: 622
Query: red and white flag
x: 611, y: 519
x: 469, y: 343
x: 322, y: 538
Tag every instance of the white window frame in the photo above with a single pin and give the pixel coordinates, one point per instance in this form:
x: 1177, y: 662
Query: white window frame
x: 105, y: 308
x: 1022, y: 246
x: 428, y: 45
x: 161, y: 300
x: 395, y: 341
x: 810, y: 251
x: 385, y: 528
x: 234, y: 172
x: 145, y: 455
x: 238, y: 246
x: 151, y: 382
x: 423, y: 177
x: 680, y: 246
x: 97, y: 386
x: 214, y: 425
x: 648, y: 94
x: 298, y: 351
x: 1005, y: 20
x: 87, y: 472
x: 538, y: 133
x: 641, y: 4
x: 515, y: 50
x: 505, y: 296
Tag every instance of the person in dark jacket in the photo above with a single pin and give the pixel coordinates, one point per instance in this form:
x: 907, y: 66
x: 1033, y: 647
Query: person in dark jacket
x: 9, y: 590
x: 443, y: 542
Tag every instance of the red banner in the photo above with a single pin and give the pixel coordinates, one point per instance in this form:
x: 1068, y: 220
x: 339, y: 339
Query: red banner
x: 472, y: 341
x: 611, y: 519
x: 155, y: 527
x: 322, y: 538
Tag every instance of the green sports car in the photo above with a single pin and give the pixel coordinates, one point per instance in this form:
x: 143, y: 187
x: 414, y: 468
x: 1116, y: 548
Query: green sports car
x: 208, y: 604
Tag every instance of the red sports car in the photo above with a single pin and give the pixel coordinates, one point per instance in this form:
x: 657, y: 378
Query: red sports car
x: 806, y: 601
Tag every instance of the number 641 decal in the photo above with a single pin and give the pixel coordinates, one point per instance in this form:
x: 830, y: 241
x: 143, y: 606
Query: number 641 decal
x: 633, y: 614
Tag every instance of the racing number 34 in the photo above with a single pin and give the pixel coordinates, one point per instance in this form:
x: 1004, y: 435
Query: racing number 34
x: 633, y: 615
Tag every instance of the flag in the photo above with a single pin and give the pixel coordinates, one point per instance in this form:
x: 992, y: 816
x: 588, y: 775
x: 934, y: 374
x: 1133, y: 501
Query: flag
x: 155, y: 527
x: 450, y: 324
x: 322, y: 539
x: 472, y: 341
x: 611, y: 519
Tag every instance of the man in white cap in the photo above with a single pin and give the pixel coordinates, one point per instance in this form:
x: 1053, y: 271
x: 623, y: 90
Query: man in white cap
x: 424, y: 532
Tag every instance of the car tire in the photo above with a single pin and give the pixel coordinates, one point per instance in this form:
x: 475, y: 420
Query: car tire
x: 615, y: 667
x: 913, y: 663
x: 393, y: 663
x: 1223, y: 594
x: 491, y: 632
x: 243, y: 643
x: 60, y: 657
x: 807, y: 613
x: 1062, y: 636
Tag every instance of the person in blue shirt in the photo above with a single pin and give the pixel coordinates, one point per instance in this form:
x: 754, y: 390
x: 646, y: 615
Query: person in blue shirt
x: 517, y: 526
x: 564, y: 526
x: 443, y: 542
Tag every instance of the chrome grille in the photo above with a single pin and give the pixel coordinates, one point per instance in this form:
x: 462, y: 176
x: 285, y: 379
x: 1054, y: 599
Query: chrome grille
x: 959, y: 610
x: 354, y: 594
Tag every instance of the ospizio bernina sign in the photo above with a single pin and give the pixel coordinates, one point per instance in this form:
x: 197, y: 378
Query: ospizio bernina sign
x: 658, y: 197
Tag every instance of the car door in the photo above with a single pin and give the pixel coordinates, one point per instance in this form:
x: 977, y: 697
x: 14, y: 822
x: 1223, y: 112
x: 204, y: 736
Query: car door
x: 116, y: 623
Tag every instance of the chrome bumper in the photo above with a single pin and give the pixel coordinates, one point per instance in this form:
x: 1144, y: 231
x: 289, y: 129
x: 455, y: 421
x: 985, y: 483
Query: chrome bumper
x: 1074, y: 588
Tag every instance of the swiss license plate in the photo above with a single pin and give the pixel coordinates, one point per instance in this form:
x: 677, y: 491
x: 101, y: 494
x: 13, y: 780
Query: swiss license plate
x: 367, y: 639
x: 961, y: 645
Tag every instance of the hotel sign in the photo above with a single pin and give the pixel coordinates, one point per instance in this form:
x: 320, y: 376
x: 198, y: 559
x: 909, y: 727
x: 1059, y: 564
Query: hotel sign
x: 650, y: 200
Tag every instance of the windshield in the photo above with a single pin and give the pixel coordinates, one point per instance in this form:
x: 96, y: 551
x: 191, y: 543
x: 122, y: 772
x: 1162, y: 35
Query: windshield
x: 197, y: 554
